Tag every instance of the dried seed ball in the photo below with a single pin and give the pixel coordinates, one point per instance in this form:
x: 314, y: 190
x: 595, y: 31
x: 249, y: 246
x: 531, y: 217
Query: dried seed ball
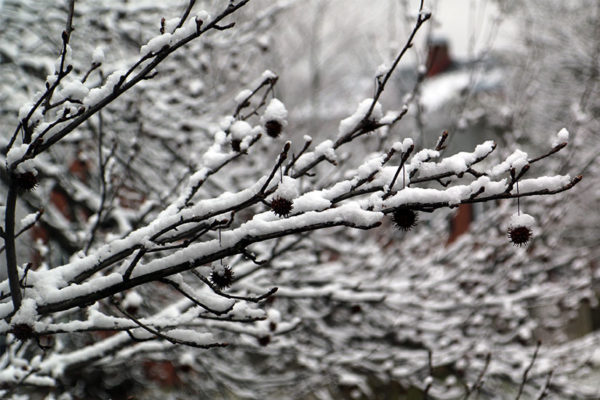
x: 274, y: 118
x: 222, y: 278
x: 22, y: 331
x: 272, y: 326
x: 236, y: 145
x: 264, y: 340
x: 519, y: 228
x: 519, y: 235
x: 273, y: 128
x: 404, y: 218
x: 25, y: 181
x: 281, y: 206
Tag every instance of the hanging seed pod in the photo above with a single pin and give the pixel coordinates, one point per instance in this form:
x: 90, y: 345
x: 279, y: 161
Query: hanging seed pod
x: 222, y: 278
x: 281, y: 206
x: 519, y: 229
x: 405, y: 218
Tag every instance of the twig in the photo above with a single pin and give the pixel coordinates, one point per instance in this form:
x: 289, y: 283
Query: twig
x: 270, y: 82
x: 555, y: 149
x: 102, y: 163
x: 178, y: 287
x: 9, y: 242
x: 295, y: 157
x: 440, y: 143
x: 429, y: 379
x: 405, y: 156
x: 526, y: 372
x: 251, y: 299
x: 163, y: 336
x: 280, y: 160
x: 186, y: 13
x: 544, y: 391
x: 479, y: 381
x: 124, y: 86
x: 381, y: 83
x: 26, y: 227
x: 133, y: 263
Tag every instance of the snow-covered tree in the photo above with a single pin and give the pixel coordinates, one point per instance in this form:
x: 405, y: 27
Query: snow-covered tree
x: 175, y: 206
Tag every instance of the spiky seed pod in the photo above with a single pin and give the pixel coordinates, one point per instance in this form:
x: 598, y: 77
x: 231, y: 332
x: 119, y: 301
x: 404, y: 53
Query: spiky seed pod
x: 236, y: 145
x: 405, y: 218
x: 25, y: 181
x: 264, y: 340
x: 281, y: 206
x: 22, y: 331
x: 273, y: 128
x: 222, y: 279
x: 519, y: 235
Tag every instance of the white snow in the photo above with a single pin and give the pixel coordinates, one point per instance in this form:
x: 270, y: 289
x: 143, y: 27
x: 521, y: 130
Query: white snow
x: 382, y: 69
x: 542, y: 183
x: 522, y: 219
x: 98, y: 55
x: 517, y: 160
x: 29, y: 219
x: 95, y: 95
x: 561, y: 137
x: 155, y: 44
x: 324, y: 149
x: 73, y: 90
x: 268, y: 74
x: 348, y: 124
x: 189, y: 335
x: 132, y: 299
x: 171, y: 24
x: 275, y: 111
x: 240, y: 129
x: 242, y: 95
x: 203, y: 16
x: 16, y: 153
x: 27, y: 314
x: 311, y: 201
x: 287, y: 188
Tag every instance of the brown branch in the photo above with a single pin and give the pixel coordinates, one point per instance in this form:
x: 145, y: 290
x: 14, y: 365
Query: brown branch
x: 163, y: 336
x: 219, y: 254
x: 555, y: 149
x: 270, y: 82
x: 479, y: 381
x: 186, y: 13
x: 526, y: 371
x: 124, y: 86
x: 381, y: 83
x: 400, y: 166
x: 178, y: 287
x: 546, y: 387
x: 11, y: 252
x: 25, y: 228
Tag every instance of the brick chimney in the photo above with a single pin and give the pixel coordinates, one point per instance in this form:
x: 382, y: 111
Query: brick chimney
x: 438, y: 56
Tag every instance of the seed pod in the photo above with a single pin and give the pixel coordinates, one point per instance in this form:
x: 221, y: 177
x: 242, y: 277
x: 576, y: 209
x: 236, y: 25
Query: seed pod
x: 519, y: 235
x: 264, y: 340
x: 22, y: 331
x: 405, y: 218
x: 25, y: 181
x: 222, y: 279
x: 273, y: 128
x: 281, y: 206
